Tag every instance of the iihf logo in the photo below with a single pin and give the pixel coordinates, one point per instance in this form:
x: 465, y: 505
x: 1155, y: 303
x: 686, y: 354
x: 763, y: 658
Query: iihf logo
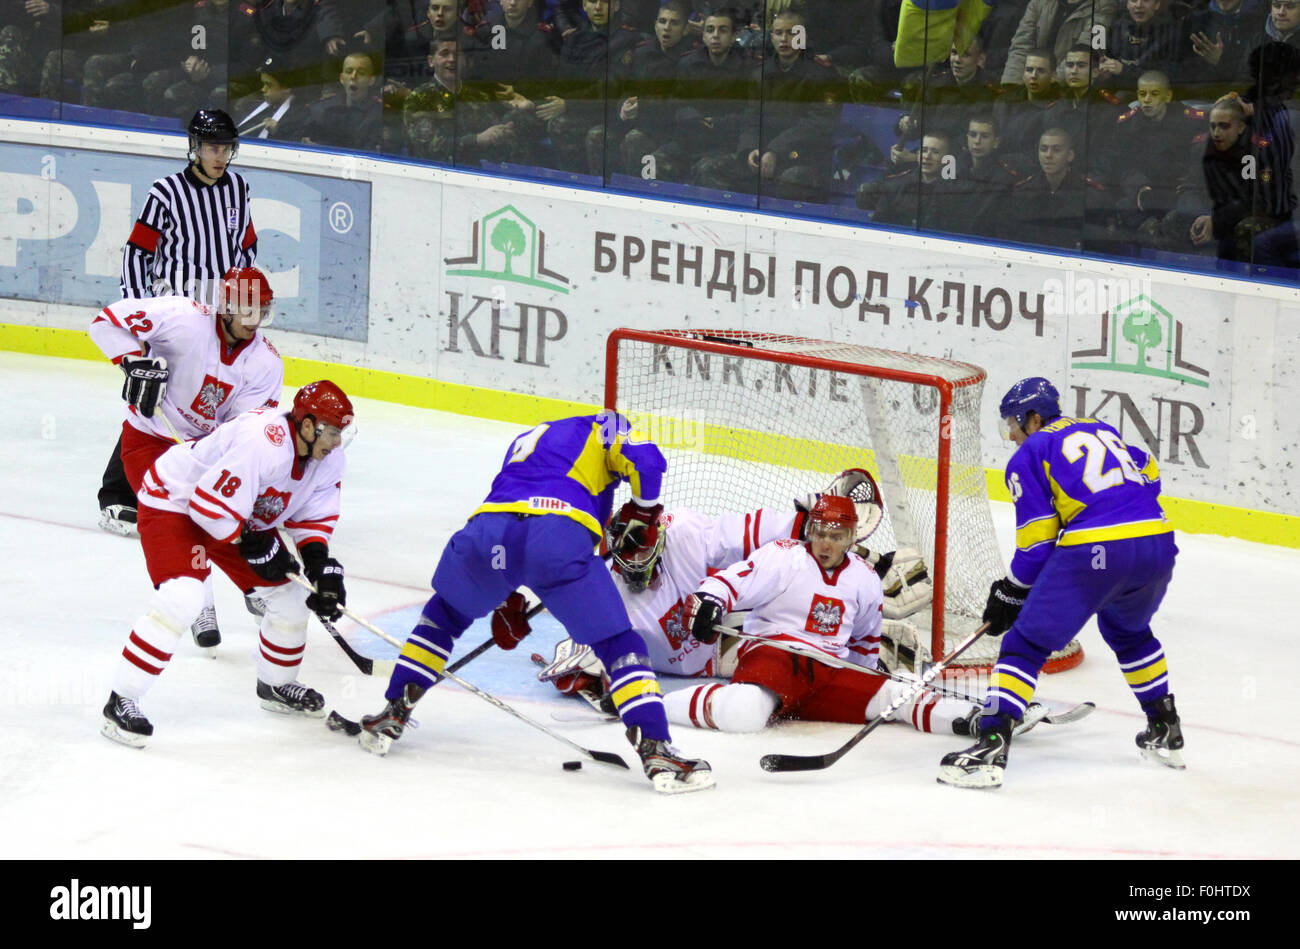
x: 232, y: 218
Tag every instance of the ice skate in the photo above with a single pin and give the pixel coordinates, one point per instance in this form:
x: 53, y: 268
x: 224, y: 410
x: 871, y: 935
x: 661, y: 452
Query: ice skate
x: 292, y: 698
x: 378, y: 732
x: 667, y: 769
x: 981, y: 765
x: 124, y: 722
x: 119, y: 519
x: 1162, y: 742
x: 205, y: 632
x: 255, y: 605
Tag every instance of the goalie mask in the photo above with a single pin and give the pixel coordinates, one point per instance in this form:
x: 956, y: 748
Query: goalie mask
x: 636, y: 559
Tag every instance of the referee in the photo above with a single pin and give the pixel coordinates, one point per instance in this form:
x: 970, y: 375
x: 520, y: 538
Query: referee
x: 196, y: 225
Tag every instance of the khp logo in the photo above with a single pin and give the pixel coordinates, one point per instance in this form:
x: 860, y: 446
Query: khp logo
x: 507, y: 245
x: 1141, y: 336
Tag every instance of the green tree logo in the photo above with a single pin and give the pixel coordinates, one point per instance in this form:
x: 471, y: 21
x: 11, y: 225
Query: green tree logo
x: 508, y: 237
x: 1142, y: 330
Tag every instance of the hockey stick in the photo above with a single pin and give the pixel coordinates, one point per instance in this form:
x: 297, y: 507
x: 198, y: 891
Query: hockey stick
x: 819, y: 762
x: 605, y: 757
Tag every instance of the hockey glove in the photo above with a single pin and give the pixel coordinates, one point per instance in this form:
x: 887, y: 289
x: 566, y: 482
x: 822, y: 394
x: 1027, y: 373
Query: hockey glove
x: 574, y: 669
x: 510, y: 622
x: 146, y: 382
x: 326, y: 575
x: 700, y: 614
x: 1005, y: 600
x: 269, y: 558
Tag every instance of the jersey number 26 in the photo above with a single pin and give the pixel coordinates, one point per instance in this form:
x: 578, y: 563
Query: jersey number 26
x: 1094, y: 448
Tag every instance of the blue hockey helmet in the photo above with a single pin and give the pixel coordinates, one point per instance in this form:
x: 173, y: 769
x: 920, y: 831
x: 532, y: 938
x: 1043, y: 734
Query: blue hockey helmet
x: 1034, y: 394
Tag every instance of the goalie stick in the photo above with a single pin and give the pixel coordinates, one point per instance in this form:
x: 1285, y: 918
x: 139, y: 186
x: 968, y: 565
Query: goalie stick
x: 604, y: 757
x: 1063, y: 717
x: 820, y: 762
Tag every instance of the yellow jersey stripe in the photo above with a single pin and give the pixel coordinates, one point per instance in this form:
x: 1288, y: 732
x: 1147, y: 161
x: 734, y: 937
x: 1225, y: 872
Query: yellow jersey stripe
x: 1067, y: 508
x: 590, y: 469
x: 1096, y: 535
x: 1037, y: 532
x: 526, y: 507
x: 624, y: 467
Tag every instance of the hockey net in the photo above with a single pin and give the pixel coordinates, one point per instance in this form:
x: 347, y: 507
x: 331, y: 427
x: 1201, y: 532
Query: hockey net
x: 751, y: 419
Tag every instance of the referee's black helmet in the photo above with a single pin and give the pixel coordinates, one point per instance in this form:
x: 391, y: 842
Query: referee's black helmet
x: 213, y: 125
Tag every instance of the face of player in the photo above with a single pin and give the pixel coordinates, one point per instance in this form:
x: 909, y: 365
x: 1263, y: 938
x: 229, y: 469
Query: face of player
x: 1143, y: 11
x: 445, y: 61
x: 965, y: 65
x: 719, y: 35
x: 242, y: 321
x: 1078, y: 71
x: 328, y: 437
x: 829, y: 543
x: 1038, y: 75
x: 441, y: 14
x: 272, y: 91
x: 1286, y: 15
x: 933, y: 150
x: 981, y: 141
x: 1153, y: 98
x: 212, y: 159
x: 1054, y: 155
x: 599, y: 12
x: 784, y: 30
x: 1225, y: 129
x: 670, y: 27
x: 357, y: 78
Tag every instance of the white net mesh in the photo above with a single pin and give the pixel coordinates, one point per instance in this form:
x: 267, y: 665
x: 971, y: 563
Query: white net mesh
x: 741, y: 431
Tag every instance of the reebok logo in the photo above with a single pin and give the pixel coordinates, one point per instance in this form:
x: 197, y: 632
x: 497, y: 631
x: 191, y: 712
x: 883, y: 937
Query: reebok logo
x: 103, y: 902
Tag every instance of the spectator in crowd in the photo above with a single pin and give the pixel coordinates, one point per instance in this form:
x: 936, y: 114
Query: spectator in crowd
x: 981, y: 168
x: 1217, y: 40
x: 30, y: 32
x: 1282, y: 26
x: 717, y: 93
x: 587, y: 55
x: 1087, y: 113
x: 452, y: 121
x: 923, y: 197
x: 278, y: 113
x: 998, y: 30
x: 1026, y: 112
x: 1275, y: 71
x: 1058, y: 206
x: 189, y: 58
x: 946, y: 99
x: 643, y: 125
x: 301, y: 35
x: 1055, y: 25
x: 1144, y: 36
x: 354, y: 118
x: 1149, y: 140
x: 789, y: 149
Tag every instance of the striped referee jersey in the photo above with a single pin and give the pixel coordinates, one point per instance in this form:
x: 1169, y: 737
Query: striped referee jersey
x: 187, y: 236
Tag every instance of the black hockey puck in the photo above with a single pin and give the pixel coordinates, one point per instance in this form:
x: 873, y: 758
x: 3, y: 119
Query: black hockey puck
x: 573, y: 766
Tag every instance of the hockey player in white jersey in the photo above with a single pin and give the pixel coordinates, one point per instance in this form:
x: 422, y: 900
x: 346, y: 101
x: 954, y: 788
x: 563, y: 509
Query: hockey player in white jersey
x: 194, y: 366
x: 817, y: 597
x: 220, y: 500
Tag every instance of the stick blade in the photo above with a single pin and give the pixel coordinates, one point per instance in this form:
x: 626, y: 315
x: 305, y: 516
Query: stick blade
x: 608, y: 757
x: 775, y: 763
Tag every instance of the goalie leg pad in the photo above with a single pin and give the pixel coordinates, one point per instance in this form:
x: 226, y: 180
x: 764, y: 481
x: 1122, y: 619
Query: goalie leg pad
x: 156, y: 634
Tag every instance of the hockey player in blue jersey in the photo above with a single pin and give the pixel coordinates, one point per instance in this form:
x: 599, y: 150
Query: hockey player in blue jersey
x: 538, y: 527
x: 1091, y: 539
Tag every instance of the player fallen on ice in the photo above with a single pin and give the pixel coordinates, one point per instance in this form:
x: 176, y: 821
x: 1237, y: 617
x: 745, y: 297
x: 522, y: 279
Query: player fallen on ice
x: 1091, y: 539
x: 538, y: 527
x: 189, y: 367
x: 219, y: 500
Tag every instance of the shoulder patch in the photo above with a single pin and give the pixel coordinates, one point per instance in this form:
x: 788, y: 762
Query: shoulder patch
x: 273, y: 350
x: 275, y: 434
x: 786, y: 543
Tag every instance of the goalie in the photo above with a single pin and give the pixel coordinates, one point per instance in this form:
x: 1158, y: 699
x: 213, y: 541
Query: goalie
x: 658, y: 569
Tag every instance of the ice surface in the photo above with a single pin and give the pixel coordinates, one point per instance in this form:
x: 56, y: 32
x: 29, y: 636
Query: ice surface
x: 223, y: 778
